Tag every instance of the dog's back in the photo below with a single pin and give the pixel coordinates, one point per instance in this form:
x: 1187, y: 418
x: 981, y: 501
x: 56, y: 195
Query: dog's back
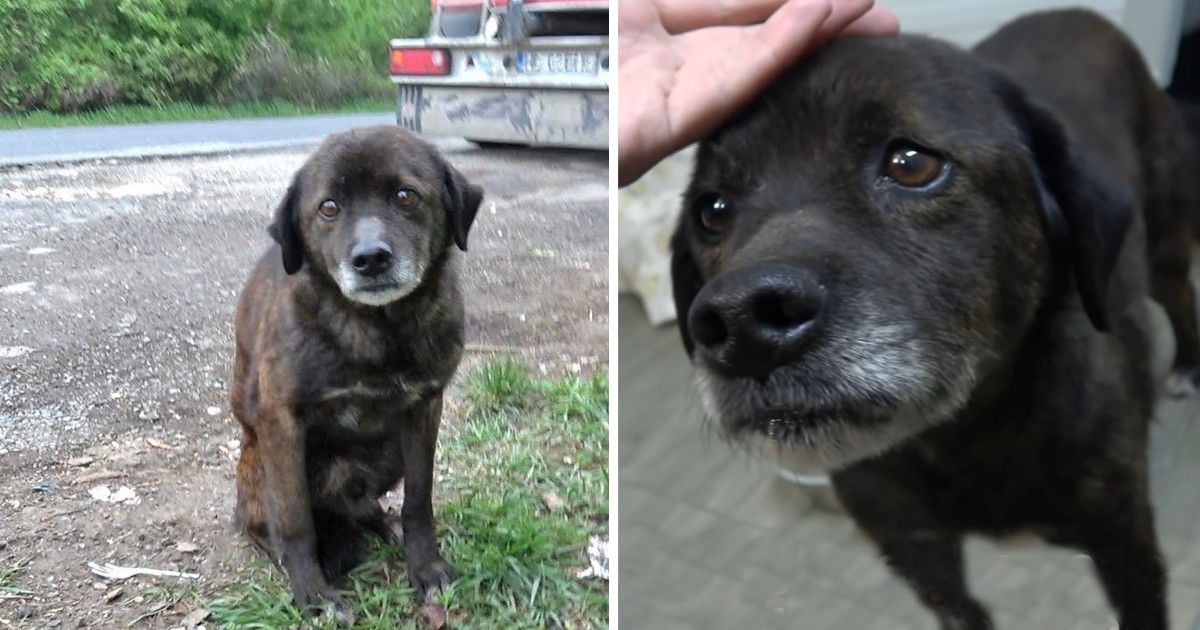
x: 1088, y: 71
x: 1084, y: 67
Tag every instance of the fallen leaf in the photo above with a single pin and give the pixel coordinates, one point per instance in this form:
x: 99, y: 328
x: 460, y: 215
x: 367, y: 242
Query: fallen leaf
x: 159, y: 444
x: 113, y: 594
x: 186, y: 547
x: 97, y: 476
x: 553, y: 502
x: 80, y: 461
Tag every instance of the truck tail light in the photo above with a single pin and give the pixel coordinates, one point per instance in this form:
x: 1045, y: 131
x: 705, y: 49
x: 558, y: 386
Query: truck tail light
x: 420, y: 62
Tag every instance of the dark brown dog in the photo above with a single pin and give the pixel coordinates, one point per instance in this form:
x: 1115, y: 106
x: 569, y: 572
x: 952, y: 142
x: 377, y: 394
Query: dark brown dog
x: 928, y: 271
x: 348, y: 331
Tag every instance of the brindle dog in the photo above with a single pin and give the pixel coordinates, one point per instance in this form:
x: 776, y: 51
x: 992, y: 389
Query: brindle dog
x: 348, y: 332
x: 928, y: 271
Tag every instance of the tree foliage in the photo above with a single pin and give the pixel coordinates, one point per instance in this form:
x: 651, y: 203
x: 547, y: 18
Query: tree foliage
x: 73, y: 55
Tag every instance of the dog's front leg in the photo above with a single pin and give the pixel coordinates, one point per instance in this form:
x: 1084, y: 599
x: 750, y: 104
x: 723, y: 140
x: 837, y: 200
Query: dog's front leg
x: 1124, y: 549
x: 290, y: 519
x: 925, y: 553
x: 427, y: 571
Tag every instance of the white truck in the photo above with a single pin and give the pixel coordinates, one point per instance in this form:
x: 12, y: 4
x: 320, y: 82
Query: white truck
x: 515, y: 72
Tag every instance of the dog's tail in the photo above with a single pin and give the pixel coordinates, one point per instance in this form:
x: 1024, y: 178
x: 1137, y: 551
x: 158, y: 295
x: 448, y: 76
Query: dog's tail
x: 341, y: 543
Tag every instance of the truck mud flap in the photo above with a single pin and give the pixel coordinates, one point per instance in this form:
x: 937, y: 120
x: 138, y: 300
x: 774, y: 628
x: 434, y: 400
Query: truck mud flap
x: 408, y: 107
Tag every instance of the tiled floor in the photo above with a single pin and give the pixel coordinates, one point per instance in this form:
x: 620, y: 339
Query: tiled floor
x: 712, y: 540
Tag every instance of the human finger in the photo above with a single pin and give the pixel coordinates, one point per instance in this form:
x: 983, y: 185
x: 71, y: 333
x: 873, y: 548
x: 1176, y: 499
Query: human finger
x: 876, y: 22
x: 681, y: 16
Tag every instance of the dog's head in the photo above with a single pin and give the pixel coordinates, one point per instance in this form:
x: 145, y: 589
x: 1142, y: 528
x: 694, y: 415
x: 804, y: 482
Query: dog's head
x: 871, y: 238
x: 373, y: 209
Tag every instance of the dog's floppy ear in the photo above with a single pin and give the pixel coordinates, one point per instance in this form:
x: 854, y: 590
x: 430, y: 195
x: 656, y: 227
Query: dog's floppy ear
x: 686, y: 282
x: 286, y: 231
x: 1088, y: 215
x: 461, y: 200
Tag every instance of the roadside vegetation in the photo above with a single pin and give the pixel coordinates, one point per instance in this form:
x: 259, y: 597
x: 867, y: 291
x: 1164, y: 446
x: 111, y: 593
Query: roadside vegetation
x: 147, y: 59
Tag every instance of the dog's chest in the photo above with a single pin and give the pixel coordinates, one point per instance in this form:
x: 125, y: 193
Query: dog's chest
x: 993, y: 492
x: 370, y: 404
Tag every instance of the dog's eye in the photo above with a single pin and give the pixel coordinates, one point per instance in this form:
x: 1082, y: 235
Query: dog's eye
x: 407, y: 198
x: 911, y: 167
x: 716, y: 213
x: 329, y: 209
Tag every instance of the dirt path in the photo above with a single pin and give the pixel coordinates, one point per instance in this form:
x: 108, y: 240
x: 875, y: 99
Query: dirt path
x: 117, y: 287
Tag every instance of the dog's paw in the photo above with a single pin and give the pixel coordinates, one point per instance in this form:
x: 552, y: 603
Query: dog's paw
x: 326, y: 606
x: 1182, y: 383
x: 429, y: 579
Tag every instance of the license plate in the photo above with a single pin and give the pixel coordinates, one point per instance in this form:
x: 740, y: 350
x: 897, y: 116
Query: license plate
x: 557, y: 63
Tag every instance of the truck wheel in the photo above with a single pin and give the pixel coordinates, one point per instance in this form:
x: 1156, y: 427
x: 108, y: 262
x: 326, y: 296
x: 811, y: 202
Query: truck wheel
x: 460, y: 23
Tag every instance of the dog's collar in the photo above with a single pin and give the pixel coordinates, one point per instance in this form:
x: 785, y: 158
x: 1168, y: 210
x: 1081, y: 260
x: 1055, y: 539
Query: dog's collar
x: 811, y: 478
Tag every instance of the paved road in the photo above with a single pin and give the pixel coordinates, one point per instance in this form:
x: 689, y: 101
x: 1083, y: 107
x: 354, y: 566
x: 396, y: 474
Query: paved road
x: 28, y: 146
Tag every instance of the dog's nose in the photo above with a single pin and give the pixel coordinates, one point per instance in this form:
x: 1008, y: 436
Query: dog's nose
x: 753, y: 320
x: 371, y: 258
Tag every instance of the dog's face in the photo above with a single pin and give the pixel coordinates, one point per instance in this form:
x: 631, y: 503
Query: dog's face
x: 871, y: 239
x: 373, y: 209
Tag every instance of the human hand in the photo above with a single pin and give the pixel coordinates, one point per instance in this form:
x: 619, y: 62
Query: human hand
x: 685, y: 66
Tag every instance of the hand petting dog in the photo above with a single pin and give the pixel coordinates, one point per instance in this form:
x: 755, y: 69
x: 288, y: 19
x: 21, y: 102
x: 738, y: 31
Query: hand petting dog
x: 685, y: 66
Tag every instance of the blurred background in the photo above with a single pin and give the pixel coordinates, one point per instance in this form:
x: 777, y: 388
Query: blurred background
x: 712, y: 539
x: 251, y: 56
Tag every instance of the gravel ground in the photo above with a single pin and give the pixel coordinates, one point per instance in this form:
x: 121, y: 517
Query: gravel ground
x: 118, y: 281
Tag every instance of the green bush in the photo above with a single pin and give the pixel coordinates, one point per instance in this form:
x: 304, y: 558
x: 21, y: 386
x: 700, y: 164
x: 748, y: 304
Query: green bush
x: 75, y: 55
x: 271, y: 71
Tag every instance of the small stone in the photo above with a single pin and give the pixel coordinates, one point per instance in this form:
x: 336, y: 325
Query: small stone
x: 195, y: 618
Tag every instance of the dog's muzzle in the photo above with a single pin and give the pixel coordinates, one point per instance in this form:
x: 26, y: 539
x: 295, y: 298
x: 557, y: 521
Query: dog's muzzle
x: 371, y: 258
x: 374, y: 275
x: 748, y: 322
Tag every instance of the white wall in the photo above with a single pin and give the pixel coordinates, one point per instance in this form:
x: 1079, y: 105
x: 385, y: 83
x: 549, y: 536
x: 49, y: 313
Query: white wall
x: 1191, y: 15
x: 1154, y: 25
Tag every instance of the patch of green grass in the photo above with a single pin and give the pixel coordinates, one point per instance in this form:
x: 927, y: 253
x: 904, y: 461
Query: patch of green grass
x: 499, y: 386
x: 259, y: 602
x: 8, y: 577
x: 121, y: 115
x: 527, y: 484
x: 156, y: 601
